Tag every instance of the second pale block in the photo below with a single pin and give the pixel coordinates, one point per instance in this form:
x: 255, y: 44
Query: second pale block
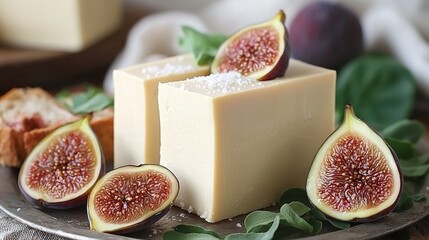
x: 66, y: 25
x: 136, y: 125
x: 235, y: 144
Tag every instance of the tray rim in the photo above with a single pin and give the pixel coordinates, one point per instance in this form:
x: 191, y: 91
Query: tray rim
x: 14, y: 205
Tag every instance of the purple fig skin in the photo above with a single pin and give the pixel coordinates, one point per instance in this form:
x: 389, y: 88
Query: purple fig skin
x: 144, y: 224
x: 42, y: 147
x: 326, y: 34
x: 73, y: 203
x: 398, y: 171
x: 280, y: 68
x: 149, y: 221
x: 268, y: 72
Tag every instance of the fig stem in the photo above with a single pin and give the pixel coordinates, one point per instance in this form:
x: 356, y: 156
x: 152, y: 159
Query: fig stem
x: 281, y: 16
x: 349, y: 114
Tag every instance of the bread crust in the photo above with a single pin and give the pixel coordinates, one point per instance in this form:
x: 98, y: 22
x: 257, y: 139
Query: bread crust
x: 20, y: 133
x: 102, y: 124
x: 102, y: 127
x: 8, y: 151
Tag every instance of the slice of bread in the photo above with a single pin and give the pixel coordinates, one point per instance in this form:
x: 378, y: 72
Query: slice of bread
x: 27, y: 115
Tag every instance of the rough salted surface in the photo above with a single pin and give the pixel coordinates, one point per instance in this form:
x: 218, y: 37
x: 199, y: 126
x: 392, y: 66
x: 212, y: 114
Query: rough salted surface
x: 167, y: 69
x: 218, y: 84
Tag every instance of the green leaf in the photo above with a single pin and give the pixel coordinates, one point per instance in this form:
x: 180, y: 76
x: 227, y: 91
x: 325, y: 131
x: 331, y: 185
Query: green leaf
x: 82, y: 98
x: 316, y: 224
x: 419, y: 197
x: 405, y: 201
x: 185, y: 232
x: 291, y: 218
x: 203, y: 46
x: 415, y: 161
x: 299, y: 208
x: 256, y: 236
x: 65, y: 93
x: 294, y: 194
x: 256, y: 219
x: 380, y: 89
x: 187, y: 228
x: 414, y: 167
x: 405, y: 130
x: 91, y: 99
x: 404, y: 149
x: 317, y: 214
x: 408, y: 198
x: 414, y: 171
x: 96, y: 103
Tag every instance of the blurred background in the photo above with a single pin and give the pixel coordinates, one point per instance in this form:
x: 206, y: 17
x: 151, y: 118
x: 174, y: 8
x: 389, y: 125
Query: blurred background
x: 380, y: 49
x: 56, y: 45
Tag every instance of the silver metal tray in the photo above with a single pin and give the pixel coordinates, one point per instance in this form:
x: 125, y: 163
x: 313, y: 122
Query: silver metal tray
x: 73, y: 223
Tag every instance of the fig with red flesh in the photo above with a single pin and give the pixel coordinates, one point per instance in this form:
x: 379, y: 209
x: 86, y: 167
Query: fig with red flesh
x: 355, y: 175
x: 131, y: 198
x: 259, y: 51
x: 62, y: 169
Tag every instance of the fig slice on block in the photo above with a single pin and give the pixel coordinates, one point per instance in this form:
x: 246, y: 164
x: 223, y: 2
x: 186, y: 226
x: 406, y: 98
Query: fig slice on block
x: 62, y: 169
x: 355, y: 175
x: 131, y: 198
x: 259, y: 51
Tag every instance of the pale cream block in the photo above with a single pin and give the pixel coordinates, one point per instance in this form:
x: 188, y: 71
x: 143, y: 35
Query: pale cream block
x: 235, y: 145
x: 136, y: 125
x: 68, y: 25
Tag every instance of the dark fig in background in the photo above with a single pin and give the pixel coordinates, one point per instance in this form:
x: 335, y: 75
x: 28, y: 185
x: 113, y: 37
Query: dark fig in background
x: 131, y: 198
x: 260, y: 51
x: 62, y: 169
x: 326, y: 34
x: 355, y: 175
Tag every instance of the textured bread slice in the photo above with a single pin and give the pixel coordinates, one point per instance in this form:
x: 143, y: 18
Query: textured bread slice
x: 23, y: 110
x: 101, y: 123
x: 8, y: 148
x: 27, y: 115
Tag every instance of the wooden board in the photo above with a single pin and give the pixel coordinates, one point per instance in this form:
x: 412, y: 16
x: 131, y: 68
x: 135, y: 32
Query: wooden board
x: 54, y: 69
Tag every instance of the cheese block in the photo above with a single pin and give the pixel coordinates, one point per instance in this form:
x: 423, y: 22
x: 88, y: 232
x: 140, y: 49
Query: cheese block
x: 136, y: 125
x: 236, y: 143
x: 69, y: 25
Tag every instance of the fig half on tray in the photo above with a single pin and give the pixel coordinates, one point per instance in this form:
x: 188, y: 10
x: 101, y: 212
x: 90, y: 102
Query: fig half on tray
x: 62, y: 169
x: 355, y: 175
x: 131, y: 198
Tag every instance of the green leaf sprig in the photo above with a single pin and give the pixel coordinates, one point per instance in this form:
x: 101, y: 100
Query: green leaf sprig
x: 203, y: 46
x: 403, y: 136
x: 297, y: 217
x: 380, y: 88
x: 91, y: 99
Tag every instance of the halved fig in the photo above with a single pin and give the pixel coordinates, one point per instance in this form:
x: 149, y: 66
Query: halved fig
x: 131, y: 198
x: 355, y: 175
x: 62, y: 169
x: 259, y: 51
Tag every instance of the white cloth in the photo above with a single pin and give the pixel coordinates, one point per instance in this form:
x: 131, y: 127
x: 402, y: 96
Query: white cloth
x: 396, y: 26
x: 11, y: 229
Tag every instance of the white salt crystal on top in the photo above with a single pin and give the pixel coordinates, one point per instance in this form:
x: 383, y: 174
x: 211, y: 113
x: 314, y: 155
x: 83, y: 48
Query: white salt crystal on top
x: 167, y: 69
x: 218, y: 84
